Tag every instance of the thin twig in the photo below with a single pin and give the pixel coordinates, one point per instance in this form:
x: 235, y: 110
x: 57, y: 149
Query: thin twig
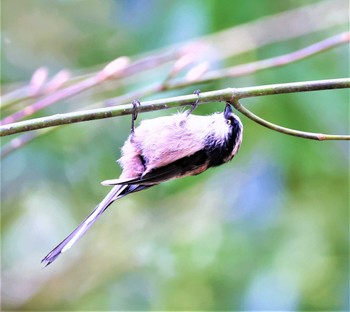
x: 89, y: 81
x: 228, y: 94
x: 271, y: 29
x: 186, y: 60
x: 55, y: 97
x: 22, y: 140
x: 235, y: 71
x: 253, y: 67
x: 249, y: 36
x: 297, y: 133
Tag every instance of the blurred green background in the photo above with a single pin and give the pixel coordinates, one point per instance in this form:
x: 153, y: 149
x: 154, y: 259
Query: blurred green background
x: 268, y: 231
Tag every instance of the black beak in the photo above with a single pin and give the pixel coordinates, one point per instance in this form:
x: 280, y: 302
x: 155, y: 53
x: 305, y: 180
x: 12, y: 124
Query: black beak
x: 228, y: 110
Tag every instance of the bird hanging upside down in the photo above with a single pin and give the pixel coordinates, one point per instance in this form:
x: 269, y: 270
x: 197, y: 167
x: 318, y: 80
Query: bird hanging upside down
x: 163, y: 149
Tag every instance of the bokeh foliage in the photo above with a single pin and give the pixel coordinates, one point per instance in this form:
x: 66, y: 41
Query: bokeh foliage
x: 269, y: 231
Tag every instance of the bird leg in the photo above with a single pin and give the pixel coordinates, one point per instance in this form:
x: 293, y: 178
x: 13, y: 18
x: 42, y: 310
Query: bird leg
x: 194, y: 106
x: 135, y: 103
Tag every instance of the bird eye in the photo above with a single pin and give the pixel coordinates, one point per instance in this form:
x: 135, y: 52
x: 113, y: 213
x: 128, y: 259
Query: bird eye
x: 228, y: 121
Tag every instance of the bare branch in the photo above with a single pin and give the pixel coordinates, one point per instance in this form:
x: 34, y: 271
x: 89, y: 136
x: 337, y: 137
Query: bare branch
x: 247, y: 37
x: 235, y: 71
x: 228, y: 94
x: 249, y: 68
x: 90, y: 80
x: 301, y: 134
x: 22, y: 140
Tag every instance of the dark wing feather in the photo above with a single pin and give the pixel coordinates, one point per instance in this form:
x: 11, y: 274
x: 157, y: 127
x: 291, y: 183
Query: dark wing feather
x: 181, y: 167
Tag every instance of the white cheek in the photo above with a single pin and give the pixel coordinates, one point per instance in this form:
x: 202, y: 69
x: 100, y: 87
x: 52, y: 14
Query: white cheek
x: 222, y: 130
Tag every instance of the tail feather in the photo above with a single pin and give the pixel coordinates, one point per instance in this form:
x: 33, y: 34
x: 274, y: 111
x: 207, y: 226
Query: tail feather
x: 117, y: 192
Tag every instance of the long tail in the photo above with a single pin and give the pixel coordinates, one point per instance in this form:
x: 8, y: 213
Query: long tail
x: 117, y: 192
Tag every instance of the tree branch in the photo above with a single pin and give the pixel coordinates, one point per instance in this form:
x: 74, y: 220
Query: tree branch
x: 234, y: 71
x: 229, y: 94
x: 276, y: 61
x: 259, y: 33
x: 41, y: 86
x: 301, y: 134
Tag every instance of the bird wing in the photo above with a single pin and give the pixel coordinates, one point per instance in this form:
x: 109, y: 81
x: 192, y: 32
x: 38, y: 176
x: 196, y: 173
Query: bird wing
x: 193, y: 164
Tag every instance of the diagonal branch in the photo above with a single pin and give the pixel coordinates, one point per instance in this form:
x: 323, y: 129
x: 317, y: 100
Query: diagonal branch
x: 234, y: 71
x: 170, y: 83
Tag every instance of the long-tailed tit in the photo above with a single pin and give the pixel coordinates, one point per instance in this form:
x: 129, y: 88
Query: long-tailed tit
x: 162, y: 149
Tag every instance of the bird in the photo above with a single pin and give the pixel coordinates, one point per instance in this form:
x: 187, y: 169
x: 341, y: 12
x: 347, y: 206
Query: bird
x: 162, y: 149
